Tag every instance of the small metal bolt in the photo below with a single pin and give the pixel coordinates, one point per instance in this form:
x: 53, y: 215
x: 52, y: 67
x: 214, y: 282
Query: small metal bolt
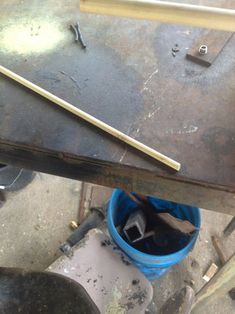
x: 73, y: 225
x: 203, y: 50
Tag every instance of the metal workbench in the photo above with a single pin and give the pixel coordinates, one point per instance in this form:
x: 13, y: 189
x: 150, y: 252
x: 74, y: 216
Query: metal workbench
x: 128, y: 78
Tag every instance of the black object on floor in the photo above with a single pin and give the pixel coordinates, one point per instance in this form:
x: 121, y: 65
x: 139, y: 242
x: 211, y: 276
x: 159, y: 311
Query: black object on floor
x: 13, y: 178
x: 42, y: 292
x: 92, y: 221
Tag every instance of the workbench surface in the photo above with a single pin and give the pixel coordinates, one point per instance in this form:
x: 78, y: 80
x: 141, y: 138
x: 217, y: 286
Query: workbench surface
x: 128, y: 78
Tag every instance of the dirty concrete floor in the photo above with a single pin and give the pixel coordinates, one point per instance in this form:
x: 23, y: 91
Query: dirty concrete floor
x: 35, y: 221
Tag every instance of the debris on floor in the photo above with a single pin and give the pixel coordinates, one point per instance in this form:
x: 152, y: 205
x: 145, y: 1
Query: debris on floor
x: 175, y: 50
x: 212, y: 270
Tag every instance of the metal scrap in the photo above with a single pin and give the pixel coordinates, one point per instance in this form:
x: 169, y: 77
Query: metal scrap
x: 174, y: 50
x: 78, y: 34
x: 134, y: 228
x: 74, y: 29
x: 203, y: 49
x: 80, y: 37
x: 73, y: 225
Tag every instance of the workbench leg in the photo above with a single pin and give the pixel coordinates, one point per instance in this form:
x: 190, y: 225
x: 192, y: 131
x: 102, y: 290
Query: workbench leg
x: 217, y: 287
x: 230, y: 227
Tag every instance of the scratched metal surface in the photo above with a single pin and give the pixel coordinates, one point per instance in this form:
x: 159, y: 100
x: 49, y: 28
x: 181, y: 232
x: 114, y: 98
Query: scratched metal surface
x: 128, y: 78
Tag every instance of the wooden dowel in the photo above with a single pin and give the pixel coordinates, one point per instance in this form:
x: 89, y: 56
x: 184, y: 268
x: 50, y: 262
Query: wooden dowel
x: 163, y: 11
x: 89, y: 118
x: 219, y: 249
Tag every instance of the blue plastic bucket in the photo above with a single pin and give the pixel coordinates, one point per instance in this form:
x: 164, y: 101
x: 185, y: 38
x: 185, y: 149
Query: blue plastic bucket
x: 153, y: 266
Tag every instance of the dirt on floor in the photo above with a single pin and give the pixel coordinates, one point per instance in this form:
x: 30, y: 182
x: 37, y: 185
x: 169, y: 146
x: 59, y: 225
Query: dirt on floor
x: 35, y: 221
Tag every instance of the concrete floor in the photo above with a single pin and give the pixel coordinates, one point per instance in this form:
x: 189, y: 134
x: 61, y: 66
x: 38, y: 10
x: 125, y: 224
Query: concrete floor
x: 35, y: 221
